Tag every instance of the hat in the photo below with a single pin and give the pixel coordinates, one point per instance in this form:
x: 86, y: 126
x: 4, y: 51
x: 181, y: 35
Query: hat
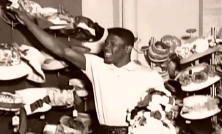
x: 201, y: 126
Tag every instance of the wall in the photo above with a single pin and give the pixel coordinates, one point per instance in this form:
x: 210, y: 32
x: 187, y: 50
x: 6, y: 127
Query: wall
x: 100, y: 11
x: 212, y: 12
x: 161, y: 17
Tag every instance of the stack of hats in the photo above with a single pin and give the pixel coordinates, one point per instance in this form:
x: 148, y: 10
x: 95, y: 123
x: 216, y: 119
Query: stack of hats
x: 158, y: 54
x: 155, y: 107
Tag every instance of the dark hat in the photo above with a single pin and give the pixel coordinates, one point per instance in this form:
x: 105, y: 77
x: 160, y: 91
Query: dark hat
x: 201, y: 126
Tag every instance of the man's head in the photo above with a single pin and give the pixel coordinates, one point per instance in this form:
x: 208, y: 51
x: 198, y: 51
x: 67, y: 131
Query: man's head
x: 118, y: 46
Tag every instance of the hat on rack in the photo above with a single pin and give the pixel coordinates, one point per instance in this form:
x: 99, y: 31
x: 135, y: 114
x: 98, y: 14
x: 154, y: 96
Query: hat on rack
x: 201, y: 126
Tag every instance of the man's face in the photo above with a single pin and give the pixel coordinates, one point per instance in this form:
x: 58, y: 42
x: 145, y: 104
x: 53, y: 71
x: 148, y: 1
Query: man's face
x: 114, y: 49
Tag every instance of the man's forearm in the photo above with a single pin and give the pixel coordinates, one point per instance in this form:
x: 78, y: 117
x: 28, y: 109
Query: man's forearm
x: 57, y: 46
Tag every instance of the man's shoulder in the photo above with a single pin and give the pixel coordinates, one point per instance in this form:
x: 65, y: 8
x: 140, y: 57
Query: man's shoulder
x: 146, y: 71
x: 94, y: 61
x: 143, y: 68
x: 93, y: 57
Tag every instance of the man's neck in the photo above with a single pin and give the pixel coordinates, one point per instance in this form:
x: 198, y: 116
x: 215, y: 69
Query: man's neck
x: 122, y: 63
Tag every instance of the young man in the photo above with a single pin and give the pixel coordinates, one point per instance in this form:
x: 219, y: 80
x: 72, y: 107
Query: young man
x: 117, y: 81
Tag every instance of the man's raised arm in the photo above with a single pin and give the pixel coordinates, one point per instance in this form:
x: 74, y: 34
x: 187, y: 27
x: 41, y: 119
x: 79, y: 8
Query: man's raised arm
x: 59, y: 47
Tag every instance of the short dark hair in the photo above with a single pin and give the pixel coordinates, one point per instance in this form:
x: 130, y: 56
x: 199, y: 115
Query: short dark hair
x: 123, y: 33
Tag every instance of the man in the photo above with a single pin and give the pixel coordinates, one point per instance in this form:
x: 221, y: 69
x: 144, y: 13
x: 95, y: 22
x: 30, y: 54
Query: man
x: 117, y: 81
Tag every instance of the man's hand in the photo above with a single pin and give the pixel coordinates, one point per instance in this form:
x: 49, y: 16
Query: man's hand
x: 21, y: 14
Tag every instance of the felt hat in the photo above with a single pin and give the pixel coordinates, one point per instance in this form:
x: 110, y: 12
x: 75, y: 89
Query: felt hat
x: 203, y: 126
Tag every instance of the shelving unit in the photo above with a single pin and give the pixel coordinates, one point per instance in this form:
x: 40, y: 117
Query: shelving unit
x: 194, y: 61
